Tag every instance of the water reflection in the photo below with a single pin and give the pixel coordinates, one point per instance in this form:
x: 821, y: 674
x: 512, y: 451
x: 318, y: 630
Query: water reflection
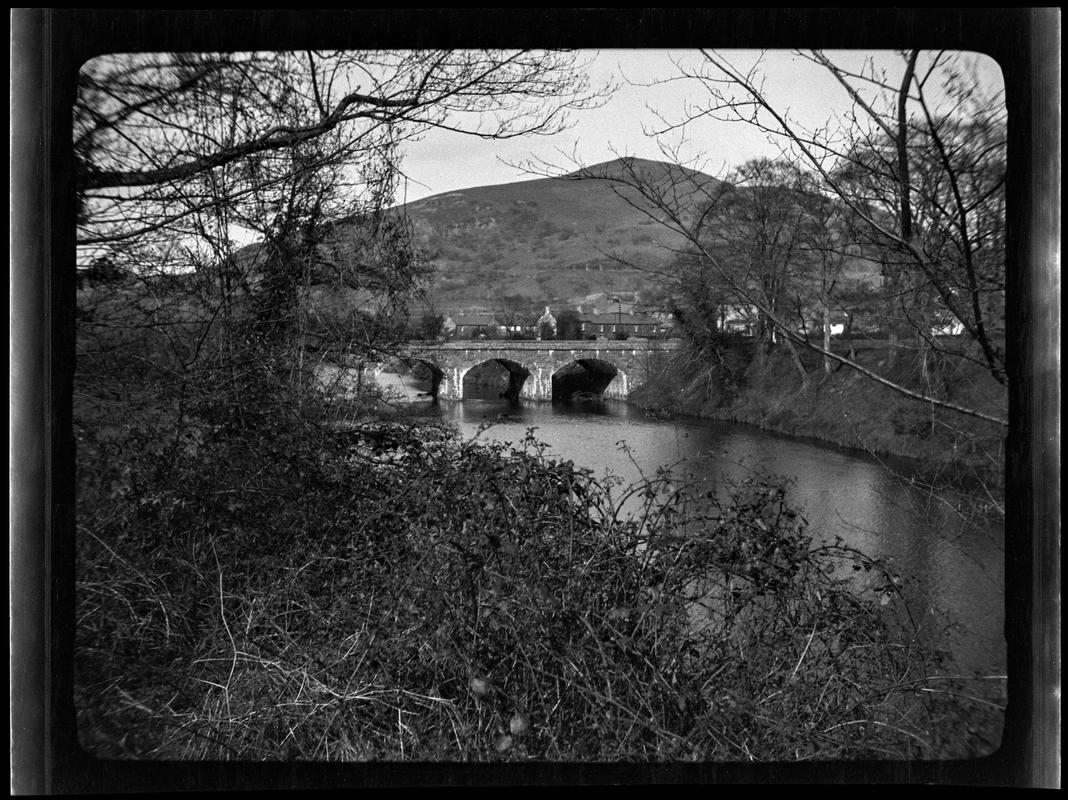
x: 950, y: 563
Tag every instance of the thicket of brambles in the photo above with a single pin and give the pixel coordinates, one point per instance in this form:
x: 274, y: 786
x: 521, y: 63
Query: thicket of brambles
x: 285, y: 588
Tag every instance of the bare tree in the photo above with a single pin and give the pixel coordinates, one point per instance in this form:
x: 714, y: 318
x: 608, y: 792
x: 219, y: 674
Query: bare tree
x: 827, y: 288
x: 761, y: 228
x: 919, y: 164
x: 146, y: 126
x: 182, y: 158
x: 917, y: 182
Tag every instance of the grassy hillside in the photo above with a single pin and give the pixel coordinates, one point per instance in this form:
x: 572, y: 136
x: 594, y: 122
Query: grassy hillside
x: 577, y: 239
x: 554, y: 240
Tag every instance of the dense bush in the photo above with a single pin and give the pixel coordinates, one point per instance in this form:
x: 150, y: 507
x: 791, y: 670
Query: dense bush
x: 726, y: 382
x: 285, y: 589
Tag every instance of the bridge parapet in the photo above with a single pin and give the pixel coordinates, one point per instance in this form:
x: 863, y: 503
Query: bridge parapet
x: 607, y: 345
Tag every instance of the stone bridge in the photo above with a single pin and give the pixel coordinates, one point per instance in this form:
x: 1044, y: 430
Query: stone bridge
x: 539, y: 370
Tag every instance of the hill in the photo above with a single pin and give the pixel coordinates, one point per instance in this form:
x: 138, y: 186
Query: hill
x: 562, y: 240
x: 577, y: 239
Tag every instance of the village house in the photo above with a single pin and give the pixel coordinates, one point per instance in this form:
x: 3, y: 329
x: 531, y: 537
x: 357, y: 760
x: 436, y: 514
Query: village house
x: 546, y: 325
x: 477, y: 325
x: 591, y: 325
x: 620, y: 324
x: 520, y: 326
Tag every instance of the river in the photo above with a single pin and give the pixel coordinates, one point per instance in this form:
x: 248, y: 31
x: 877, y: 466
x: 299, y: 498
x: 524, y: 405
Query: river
x: 948, y: 564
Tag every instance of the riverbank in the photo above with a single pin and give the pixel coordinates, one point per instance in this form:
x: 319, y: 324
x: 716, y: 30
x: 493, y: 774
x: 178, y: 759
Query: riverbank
x: 845, y: 408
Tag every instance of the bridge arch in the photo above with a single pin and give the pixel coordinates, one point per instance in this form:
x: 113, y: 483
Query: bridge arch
x: 633, y: 359
x: 492, y: 379
x: 411, y: 377
x: 588, y: 378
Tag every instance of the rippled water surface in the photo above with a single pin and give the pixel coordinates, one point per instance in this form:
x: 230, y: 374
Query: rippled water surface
x: 948, y: 563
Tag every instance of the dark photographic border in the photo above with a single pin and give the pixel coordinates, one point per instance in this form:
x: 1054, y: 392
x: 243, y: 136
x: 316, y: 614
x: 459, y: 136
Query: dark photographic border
x: 47, y: 48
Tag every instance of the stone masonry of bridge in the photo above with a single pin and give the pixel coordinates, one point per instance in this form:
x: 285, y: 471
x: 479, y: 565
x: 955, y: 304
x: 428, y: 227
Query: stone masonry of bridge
x: 631, y: 358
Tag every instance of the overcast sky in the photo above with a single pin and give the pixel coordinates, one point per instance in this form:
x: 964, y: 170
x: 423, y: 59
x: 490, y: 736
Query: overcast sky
x: 444, y: 161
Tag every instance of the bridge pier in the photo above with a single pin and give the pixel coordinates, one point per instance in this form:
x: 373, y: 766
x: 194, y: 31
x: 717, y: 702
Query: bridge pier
x: 538, y: 385
x: 452, y: 385
x: 618, y: 389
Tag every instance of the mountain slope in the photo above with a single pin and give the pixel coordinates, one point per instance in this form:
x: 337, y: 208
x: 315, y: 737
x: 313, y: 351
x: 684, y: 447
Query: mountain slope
x: 552, y: 240
x: 584, y: 238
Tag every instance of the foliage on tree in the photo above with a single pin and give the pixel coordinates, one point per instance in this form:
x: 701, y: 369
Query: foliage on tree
x: 568, y: 324
x: 100, y: 271
x: 431, y: 326
x: 515, y: 311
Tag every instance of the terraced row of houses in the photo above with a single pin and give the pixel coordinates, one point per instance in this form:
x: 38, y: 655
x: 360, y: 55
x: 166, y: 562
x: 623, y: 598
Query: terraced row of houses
x: 571, y: 324
x: 576, y: 324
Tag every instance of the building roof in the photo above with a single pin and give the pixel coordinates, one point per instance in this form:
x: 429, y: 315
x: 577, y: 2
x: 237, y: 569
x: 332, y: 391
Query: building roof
x: 619, y: 319
x: 547, y: 317
x: 476, y: 320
